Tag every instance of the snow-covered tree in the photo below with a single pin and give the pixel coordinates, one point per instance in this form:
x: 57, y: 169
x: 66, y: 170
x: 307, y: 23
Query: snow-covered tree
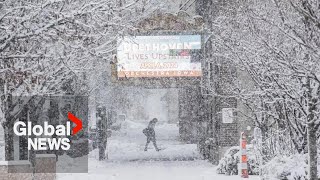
x: 277, y: 43
x: 47, y: 45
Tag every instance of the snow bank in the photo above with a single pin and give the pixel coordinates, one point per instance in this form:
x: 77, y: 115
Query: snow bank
x: 283, y: 167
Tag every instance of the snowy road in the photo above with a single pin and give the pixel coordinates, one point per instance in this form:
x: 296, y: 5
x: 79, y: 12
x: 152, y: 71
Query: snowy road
x: 152, y: 170
x: 128, y: 144
x: 128, y: 161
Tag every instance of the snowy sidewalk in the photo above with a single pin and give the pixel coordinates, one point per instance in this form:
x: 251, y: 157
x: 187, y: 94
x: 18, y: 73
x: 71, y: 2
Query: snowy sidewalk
x: 165, y: 170
x: 128, y: 144
x: 128, y: 160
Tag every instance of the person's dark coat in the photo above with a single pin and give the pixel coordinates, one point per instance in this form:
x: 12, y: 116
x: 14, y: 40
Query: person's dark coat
x: 150, y: 133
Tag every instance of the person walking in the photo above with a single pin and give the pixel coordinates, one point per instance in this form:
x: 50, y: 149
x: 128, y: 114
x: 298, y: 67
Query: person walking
x: 151, y: 135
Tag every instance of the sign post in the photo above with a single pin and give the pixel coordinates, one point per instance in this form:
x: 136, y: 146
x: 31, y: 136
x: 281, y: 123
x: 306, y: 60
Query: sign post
x: 102, y: 138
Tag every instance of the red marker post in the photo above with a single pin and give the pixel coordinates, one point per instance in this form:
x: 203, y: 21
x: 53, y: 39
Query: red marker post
x: 243, y: 156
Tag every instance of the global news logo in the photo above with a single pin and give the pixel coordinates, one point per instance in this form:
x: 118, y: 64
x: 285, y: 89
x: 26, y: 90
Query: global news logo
x: 47, y: 136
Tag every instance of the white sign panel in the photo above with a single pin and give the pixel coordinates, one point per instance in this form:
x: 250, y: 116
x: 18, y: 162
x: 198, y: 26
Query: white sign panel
x: 227, y: 115
x: 159, y: 56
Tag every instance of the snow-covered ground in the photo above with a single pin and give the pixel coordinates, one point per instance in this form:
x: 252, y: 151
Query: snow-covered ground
x: 129, y: 143
x: 128, y: 161
x: 151, y: 170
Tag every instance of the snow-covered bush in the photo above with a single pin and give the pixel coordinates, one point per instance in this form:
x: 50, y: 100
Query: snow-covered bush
x: 288, y: 168
x: 229, y: 163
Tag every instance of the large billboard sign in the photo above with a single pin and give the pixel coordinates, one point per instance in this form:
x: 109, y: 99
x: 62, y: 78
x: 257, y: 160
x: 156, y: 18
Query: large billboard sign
x: 159, y: 56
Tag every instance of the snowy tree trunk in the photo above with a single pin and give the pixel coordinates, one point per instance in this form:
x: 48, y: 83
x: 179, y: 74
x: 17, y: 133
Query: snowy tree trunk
x: 264, y: 151
x: 101, y: 142
x: 312, y: 132
x: 101, y: 117
x: 312, y: 149
x: 8, y: 134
